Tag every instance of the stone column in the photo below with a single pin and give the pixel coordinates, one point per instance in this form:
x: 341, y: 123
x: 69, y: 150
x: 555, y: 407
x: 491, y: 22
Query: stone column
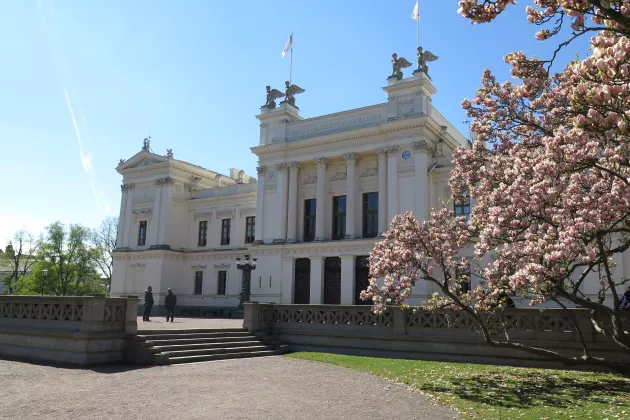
x: 392, y: 183
x: 235, y: 234
x: 421, y: 181
x: 317, y: 280
x: 320, y: 210
x: 351, y: 195
x: 126, y: 220
x: 287, y: 272
x: 347, y: 280
x: 260, y: 206
x: 166, y: 194
x: 292, y: 213
x: 382, y: 190
x: 121, y: 217
x: 281, y: 196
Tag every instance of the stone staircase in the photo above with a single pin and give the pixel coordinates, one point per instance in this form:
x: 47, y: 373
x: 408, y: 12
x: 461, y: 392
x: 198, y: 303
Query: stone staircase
x: 162, y: 347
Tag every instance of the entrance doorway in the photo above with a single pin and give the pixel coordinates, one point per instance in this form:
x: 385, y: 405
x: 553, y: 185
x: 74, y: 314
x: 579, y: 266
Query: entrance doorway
x: 361, y: 279
x: 302, y: 292
x: 332, y: 281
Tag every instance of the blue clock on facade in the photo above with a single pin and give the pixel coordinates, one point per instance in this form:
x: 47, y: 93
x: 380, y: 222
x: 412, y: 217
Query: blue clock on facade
x: 272, y: 175
x: 406, y: 155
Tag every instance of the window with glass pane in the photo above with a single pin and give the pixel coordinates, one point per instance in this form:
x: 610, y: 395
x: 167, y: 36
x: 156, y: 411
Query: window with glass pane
x: 222, y: 282
x: 142, y: 233
x: 462, y: 209
x: 198, y: 282
x: 225, y: 231
x: 370, y: 215
x: 339, y: 217
x: 203, y: 233
x: 309, y: 219
x: 250, y: 229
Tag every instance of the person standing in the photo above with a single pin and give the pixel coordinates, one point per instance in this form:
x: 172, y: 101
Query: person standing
x: 148, y: 303
x: 169, y: 301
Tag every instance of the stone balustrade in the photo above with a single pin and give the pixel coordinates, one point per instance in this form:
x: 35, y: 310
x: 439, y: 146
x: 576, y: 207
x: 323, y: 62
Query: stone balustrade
x: 445, y: 335
x: 75, y: 329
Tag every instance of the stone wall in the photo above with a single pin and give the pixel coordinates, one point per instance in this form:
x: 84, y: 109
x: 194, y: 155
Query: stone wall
x: 446, y: 336
x: 70, y: 330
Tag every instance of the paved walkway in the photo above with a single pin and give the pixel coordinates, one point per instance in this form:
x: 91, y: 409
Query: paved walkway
x: 276, y: 388
x: 159, y: 323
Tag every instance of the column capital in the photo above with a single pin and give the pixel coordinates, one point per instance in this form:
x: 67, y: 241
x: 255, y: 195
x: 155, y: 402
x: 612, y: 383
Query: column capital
x: 293, y: 166
x: 164, y: 181
x: 350, y: 157
x: 281, y: 167
x: 421, y: 146
x: 130, y: 186
x: 320, y: 162
x: 381, y: 151
x: 393, y: 149
x: 261, y: 170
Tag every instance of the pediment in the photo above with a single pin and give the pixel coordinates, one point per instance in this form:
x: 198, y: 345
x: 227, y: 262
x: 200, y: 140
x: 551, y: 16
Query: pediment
x: 142, y: 159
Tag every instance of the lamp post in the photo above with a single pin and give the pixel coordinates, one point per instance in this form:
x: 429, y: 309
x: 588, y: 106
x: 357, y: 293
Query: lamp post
x: 246, y: 266
x: 44, y: 275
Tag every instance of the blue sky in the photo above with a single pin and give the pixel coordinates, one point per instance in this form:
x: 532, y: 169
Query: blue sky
x: 83, y: 82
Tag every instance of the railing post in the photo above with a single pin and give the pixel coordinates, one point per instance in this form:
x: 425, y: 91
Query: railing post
x: 400, y: 321
x: 253, y: 318
x: 93, y: 313
x: 131, y: 315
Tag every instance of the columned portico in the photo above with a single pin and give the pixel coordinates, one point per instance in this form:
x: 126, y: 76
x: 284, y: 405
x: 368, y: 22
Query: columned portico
x: 260, y: 206
x: 320, y: 211
x: 420, y: 181
x: 281, y: 194
x: 317, y: 280
x: 347, y: 279
x: 392, y: 184
x: 292, y: 213
x: 382, y: 190
x: 351, y: 195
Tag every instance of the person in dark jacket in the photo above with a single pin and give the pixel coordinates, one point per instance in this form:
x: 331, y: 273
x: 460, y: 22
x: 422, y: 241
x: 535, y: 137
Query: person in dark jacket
x: 169, y: 301
x: 625, y: 300
x: 148, y: 303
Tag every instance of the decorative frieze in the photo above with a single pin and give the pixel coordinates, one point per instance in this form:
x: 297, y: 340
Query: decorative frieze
x: 309, y: 180
x: 222, y: 265
x: 339, y: 176
x: 199, y: 266
x: 369, y: 172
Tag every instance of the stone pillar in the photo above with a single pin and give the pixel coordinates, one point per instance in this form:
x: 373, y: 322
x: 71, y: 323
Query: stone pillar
x: 382, y: 190
x: 93, y: 314
x: 126, y: 220
x: 317, y: 280
x: 392, y: 183
x: 235, y: 234
x: 165, y: 206
x: 421, y: 181
x: 347, y: 280
x: 287, y: 271
x: 281, y: 196
x: 292, y: 213
x: 320, y: 210
x: 131, y: 316
x: 260, y: 206
x: 121, y: 217
x: 351, y: 195
x: 153, y: 227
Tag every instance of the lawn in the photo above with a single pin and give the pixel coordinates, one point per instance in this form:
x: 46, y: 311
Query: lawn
x: 500, y: 392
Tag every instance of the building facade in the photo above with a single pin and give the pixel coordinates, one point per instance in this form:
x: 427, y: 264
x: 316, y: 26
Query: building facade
x: 326, y: 188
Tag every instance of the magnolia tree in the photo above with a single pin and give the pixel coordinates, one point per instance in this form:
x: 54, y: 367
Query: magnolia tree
x: 549, y: 172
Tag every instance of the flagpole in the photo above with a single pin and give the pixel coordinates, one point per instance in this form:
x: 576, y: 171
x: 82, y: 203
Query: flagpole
x: 291, y: 65
x: 418, y: 22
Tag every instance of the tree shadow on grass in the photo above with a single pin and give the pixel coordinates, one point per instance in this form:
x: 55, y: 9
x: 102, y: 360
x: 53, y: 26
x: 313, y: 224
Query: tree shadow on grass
x: 529, y: 390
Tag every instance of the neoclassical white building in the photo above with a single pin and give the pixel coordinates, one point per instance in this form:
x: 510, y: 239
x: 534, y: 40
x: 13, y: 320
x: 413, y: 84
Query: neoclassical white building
x: 326, y: 187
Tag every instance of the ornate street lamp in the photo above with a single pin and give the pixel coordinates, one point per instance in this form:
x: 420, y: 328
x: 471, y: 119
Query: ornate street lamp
x: 44, y: 275
x: 247, y: 266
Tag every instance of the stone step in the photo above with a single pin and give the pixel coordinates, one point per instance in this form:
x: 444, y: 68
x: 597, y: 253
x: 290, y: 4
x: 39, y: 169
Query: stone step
x: 173, y: 342
x: 207, y: 352
x: 194, y: 335
x: 193, y: 331
x: 217, y: 345
x: 225, y: 356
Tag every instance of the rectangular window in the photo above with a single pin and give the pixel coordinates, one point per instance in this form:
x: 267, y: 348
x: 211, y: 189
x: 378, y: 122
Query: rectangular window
x: 250, y: 229
x: 310, y: 207
x: 370, y: 215
x: 460, y: 274
x: 203, y: 233
x: 142, y: 233
x: 198, y: 282
x: 462, y: 209
x: 225, y: 231
x: 339, y: 217
x: 222, y: 282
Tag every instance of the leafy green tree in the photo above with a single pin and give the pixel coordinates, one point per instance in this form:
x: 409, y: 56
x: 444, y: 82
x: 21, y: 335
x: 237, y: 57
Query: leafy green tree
x: 18, y: 259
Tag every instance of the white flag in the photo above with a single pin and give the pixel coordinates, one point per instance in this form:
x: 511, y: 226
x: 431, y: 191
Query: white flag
x: 415, y: 15
x: 288, y: 46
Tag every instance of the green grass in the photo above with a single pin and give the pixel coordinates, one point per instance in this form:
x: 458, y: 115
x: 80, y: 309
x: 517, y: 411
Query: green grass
x: 500, y: 392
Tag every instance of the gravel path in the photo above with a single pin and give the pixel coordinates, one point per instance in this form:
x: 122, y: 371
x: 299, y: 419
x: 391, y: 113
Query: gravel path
x: 275, y: 388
